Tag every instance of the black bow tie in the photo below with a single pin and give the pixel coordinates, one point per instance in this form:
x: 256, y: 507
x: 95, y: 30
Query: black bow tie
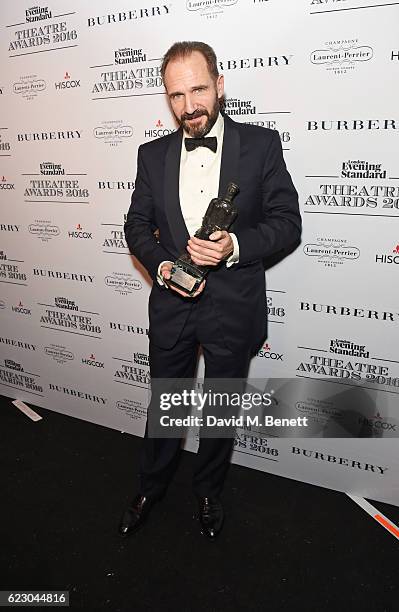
x: 210, y: 142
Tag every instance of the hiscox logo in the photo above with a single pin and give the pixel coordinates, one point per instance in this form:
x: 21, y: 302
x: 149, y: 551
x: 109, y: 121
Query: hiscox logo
x: 67, y: 82
x: 341, y: 56
x: 92, y: 361
x: 389, y: 257
x: 266, y: 353
x: 29, y: 86
x: 21, y: 309
x: 158, y: 130
x: 376, y: 424
x: 4, y: 184
x: 79, y: 232
x: 209, y: 8
x: 331, y: 252
x: 113, y: 133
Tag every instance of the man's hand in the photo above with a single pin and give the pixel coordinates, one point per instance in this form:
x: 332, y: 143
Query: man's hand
x: 211, y: 252
x: 165, y: 272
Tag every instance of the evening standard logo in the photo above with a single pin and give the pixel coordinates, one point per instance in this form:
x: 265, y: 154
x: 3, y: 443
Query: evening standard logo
x: 10, y: 270
x: 141, y: 359
x: 13, y: 374
x: 37, y: 33
x: 44, y: 230
x: 209, y: 8
x: 250, y: 443
x: 356, y: 367
x: 360, y: 168
x: 347, y: 347
x: 275, y: 309
x: 341, y: 56
x: 77, y: 394
x: 235, y: 106
x: 345, y: 462
x: 158, y: 130
x: 246, y: 111
x: 79, y: 233
x: 122, y: 185
x: 114, y: 242
x: 129, y: 373
x: 58, y: 353
x: 123, y: 283
x: 28, y: 87
x: 130, y: 70
x: 92, y: 361
x: 266, y: 352
x: 66, y: 315
x: 113, y: 133
x: 37, y: 13
x: 128, y: 328
x: 357, y: 193
x: 5, y: 184
x: 378, y: 425
x: 129, y: 56
x: 54, y: 182
x: 67, y: 83
x: 134, y: 409
x: 331, y: 252
x: 51, y: 169
x: 21, y: 309
x: 389, y: 257
x: 132, y: 15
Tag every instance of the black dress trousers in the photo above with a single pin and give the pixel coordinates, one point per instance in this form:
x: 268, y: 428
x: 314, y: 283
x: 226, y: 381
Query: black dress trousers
x: 159, y: 456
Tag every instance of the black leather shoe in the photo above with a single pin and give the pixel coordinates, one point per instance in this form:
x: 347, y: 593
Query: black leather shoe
x: 211, y: 516
x: 135, y: 515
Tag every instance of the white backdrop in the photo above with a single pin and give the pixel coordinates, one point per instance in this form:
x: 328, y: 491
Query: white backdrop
x: 80, y: 90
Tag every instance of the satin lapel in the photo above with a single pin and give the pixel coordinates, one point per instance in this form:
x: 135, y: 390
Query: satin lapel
x: 230, y: 156
x: 174, y: 215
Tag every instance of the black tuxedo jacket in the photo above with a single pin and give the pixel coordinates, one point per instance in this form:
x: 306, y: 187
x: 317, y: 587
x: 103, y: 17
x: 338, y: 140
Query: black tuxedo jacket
x: 268, y: 222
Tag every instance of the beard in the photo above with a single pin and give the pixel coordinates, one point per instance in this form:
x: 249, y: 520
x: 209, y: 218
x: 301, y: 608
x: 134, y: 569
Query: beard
x: 200, y: 131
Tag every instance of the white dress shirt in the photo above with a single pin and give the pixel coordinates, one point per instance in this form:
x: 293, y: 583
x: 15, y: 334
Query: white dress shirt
x: 199, y: 184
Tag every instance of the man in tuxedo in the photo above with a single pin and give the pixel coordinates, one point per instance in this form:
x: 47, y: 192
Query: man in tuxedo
x: 177, y: 176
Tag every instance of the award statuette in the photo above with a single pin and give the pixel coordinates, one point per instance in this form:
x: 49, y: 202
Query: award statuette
x: 220, y: 214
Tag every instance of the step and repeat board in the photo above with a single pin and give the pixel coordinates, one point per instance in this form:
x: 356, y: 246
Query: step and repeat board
x: 81, y: 89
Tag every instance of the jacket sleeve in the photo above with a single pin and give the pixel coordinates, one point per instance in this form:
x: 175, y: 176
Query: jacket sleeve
x: 140, y: 223
x: 280, y: 224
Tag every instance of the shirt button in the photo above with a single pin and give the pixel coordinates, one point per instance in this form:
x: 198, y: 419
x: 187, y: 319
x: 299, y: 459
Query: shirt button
x: 202, y: 165
x: 202, y: 191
